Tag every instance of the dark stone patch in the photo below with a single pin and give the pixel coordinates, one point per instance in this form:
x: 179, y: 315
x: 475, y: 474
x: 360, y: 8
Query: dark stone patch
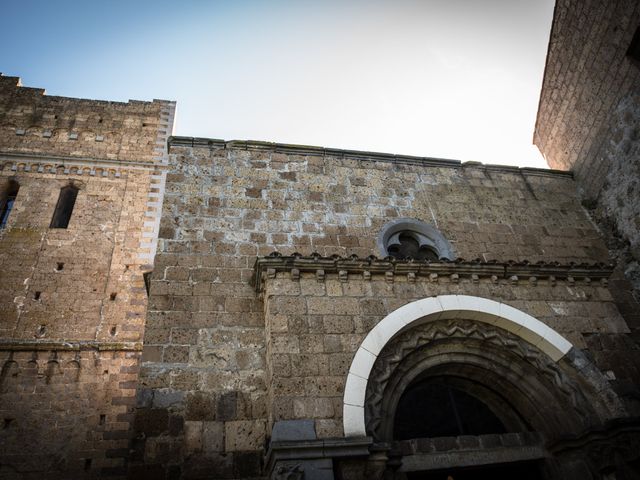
x: 490, y: 441
x: 226, y: 406
x: 115, y: 435
x: 167, y: 398
x: 201, y: 468
x: 146, y: 472
x: 113, y: 472
x: 247, y: 464
x: 152, y: 422
x: 174, y: 472
x: 200, y: 406
x: 176, y: 425
x: 117, y: 453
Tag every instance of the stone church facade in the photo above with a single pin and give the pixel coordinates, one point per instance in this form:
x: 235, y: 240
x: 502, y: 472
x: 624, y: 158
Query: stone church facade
x: 192, y: 308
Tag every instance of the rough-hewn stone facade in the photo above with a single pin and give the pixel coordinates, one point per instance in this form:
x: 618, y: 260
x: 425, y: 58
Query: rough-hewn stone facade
x: 232, y: 347
x: 588, y: 120
x: 73, y: 300
x: 284, y: 332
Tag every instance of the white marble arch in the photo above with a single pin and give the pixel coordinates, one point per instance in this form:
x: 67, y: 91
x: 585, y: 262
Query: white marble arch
x: 428, y: 310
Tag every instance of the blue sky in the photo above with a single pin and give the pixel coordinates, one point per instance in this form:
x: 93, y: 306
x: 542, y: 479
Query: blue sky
x: 443, y: 78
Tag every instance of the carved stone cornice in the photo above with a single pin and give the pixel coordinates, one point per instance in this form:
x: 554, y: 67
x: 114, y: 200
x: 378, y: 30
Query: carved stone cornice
x: 253, y: 145
x: 269, y: 266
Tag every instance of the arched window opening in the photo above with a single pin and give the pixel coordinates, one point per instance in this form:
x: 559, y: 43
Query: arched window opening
x: 408, y: 245
x: 64, y: 207
x: 435, y: 408
x: 7, y: 201
x: 407, y: 238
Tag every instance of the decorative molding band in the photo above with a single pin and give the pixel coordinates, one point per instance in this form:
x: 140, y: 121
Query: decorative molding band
x: 267, y: 267
x: 48, y: 164
x: 214, y: 143
x: 422, y: 454
x: 35, y: 158
x: 18, y: 345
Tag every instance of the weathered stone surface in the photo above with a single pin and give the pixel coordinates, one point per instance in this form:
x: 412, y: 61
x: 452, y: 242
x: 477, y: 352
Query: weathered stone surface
x: 288, y: 430
x: 588, y: 123
x: 227, y: 355
x: 73, y: 300
x: 244, y: 435
x: 283, y: 353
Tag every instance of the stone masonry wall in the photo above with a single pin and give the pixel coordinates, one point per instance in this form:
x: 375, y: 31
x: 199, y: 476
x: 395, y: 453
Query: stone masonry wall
x: 206, y: 375
x: 73, y: 300
x: 588, y: 120
x: 66, y: 413
x: 316, y: 325
x: 59, y: 283
x: 34, y: 123
x: 587, y: 76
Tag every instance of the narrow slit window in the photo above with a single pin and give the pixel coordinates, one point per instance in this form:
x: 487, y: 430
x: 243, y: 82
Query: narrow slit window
x: 8, y: 201
x: 64, y: 207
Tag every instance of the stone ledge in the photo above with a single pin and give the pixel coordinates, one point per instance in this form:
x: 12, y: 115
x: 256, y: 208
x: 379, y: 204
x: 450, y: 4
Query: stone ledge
x: 269, y: 266
x: 309, y: 450
x: 471, y: 458
x: 468, y: 450
x: 467, y: 442
x: 12, y: 159
x: 275, y: 147
x: 38, y: 345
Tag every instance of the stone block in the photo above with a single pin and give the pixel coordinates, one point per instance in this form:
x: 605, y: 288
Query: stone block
x: 293, y: 430
x: 490, y: 441
x: 176, y: 354
x: 329, y: 428
x: 213, y: 437
x: 468, y: 441
x: 244, y: 435
x: 309, y: 407
x: 444, y: 444
x: 226, y: 406
x: 151, y: 421
x: 200, y: 406
x: 164, y: 398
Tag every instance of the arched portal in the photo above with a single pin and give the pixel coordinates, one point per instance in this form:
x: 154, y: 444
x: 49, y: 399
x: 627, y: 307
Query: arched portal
x: 487, y: 347
x: 515, y: 381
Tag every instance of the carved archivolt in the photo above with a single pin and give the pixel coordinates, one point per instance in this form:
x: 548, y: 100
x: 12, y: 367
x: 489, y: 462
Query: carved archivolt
x: 416, y: 342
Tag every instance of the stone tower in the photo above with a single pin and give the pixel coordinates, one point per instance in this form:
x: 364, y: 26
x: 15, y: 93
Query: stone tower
x: 81, y: 183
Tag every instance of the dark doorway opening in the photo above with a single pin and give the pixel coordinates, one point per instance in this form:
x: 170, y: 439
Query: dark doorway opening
x: 434, y: 408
